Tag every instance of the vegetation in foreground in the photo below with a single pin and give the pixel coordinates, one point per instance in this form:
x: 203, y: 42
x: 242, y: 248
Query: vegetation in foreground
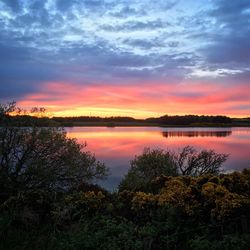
x: 207, y: 212
x: 168, y: 200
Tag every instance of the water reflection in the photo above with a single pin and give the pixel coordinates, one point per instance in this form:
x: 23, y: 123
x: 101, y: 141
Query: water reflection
x: 117, y: 146
x: 196, y: 133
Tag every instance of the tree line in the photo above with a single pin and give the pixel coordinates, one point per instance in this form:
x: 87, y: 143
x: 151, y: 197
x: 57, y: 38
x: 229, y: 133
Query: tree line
x: 40, y: 117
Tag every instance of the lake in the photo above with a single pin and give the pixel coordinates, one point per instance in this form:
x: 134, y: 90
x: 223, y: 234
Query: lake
x: 117, y: 146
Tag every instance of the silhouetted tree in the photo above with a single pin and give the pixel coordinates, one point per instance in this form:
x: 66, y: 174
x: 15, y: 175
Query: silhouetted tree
x: 42, y: 158
x: 154, y: 163
x: 191, y: 162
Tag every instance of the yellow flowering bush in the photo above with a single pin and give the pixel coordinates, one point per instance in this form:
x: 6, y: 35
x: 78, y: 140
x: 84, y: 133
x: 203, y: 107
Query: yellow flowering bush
x: 143, y: 200
x: 89, y: 200
x: 174, y: 192
x: 207, y: 196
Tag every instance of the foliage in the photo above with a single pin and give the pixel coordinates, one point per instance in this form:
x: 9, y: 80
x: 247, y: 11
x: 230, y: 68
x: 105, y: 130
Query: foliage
x: 191, y: 162
x: 206, y: 196
x: 29, y: 209
x: 42, y: 158
x: 229, y: 242
x: 206, y: 212
x: 146, y: 167
x: 153, y: 163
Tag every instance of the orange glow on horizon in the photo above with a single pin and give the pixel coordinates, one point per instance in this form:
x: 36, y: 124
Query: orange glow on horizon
x: 139, y: 101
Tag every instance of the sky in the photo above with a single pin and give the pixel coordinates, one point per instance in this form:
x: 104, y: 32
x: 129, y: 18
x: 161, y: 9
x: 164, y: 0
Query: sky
x: 139, y: 58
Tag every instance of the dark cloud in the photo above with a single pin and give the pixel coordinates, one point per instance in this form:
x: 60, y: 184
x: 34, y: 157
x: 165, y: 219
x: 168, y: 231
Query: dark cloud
x: 231, y: 42
x: 94, y: 3
x: 14, y: 5
x: 229, y: 49
x: 127, y: 11
x: 167, y: 5
x: 13, y: 53
x: 173, y: 44
x: 22, y: 72
x: 227, y: 11
x: 24, y: 78
x: 65, y: 5
x: 142, y: 43
x: 136, y: 25
x: 37, y: 19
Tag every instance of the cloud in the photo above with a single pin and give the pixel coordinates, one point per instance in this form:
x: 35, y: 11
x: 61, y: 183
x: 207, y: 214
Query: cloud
x: 147, y: 98
x: 213, y: 73
x: 231, y: 40
x: 65, y: 5
x: 126, y: 43
x: 13, y: 5
x: 136, y: 25
x: 127, y: 11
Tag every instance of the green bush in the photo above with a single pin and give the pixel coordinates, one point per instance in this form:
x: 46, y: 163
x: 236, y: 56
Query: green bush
x: 146, y: 167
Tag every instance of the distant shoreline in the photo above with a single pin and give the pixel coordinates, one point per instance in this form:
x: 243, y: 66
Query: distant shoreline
x: 164, y: 121
x: 129, y: 124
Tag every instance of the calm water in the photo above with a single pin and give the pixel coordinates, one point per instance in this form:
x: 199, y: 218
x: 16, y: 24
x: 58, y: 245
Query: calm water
x: 117, y: 146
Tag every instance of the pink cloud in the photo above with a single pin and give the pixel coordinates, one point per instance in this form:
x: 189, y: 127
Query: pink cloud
x: 150, y: 98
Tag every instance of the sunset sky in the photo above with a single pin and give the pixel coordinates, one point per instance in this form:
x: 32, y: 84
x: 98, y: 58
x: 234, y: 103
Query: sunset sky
x: 137, y: 58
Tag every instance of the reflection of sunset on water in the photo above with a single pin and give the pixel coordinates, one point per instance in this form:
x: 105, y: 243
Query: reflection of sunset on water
x: 117, y: 146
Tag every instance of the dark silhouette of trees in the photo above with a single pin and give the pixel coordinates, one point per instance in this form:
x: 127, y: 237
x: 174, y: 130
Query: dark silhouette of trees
x: 154, y: 163
x: 42, y: 158
x: 190, y: 119
x: 191, y: 162
x: 164, y: 120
